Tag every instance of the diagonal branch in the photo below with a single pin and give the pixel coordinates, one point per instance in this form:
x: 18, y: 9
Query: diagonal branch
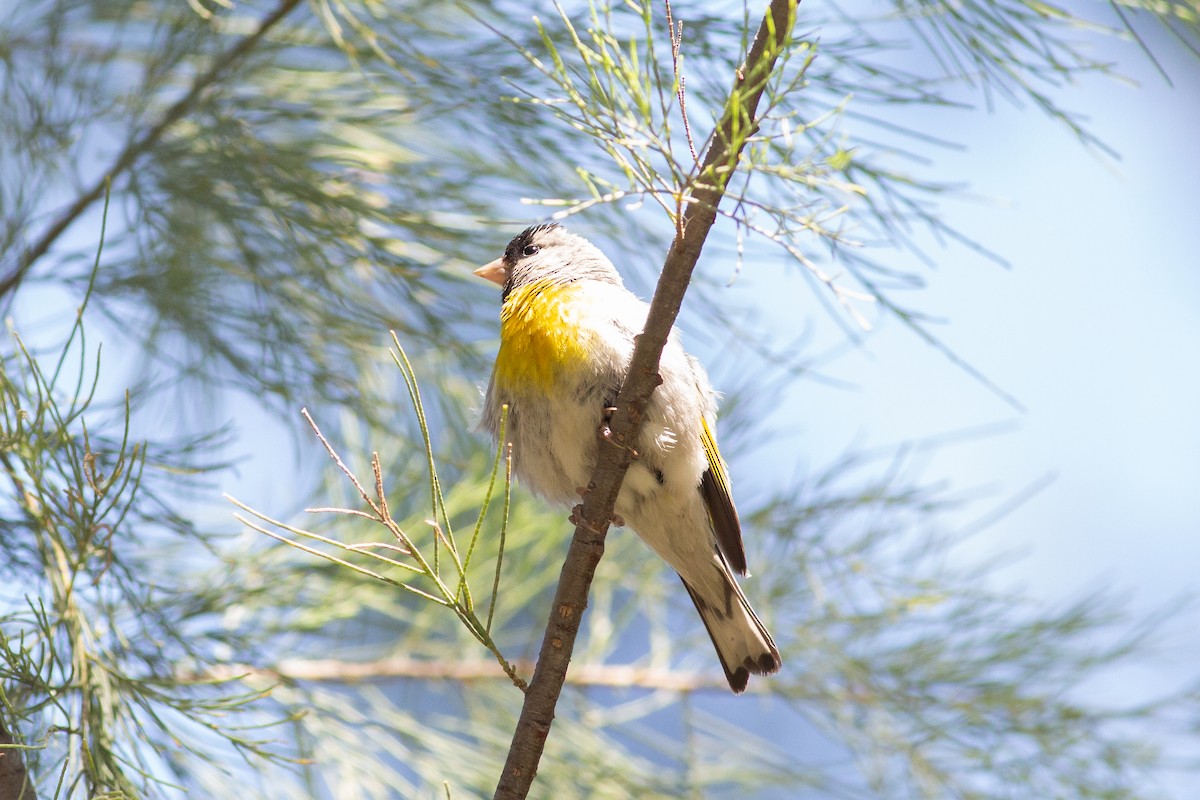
x: 138, y: 146
x: 699, y: 210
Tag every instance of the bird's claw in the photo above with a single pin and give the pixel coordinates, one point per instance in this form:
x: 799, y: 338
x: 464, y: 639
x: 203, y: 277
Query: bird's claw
x: 578, y: 519
x: 607, y: 433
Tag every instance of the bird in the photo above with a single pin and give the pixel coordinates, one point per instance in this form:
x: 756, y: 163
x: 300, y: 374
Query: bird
x: 567, y: 329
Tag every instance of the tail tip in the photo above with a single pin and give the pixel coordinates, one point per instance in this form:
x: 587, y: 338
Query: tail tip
x: 766, y: 663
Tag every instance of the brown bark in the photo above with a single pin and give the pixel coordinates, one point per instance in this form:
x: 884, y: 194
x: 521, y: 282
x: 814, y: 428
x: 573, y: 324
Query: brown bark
x: 14, y: 780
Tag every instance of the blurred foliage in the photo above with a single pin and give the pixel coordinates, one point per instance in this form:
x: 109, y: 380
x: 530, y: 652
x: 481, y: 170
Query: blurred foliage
x: 315, y: 181
x: 96, y: 623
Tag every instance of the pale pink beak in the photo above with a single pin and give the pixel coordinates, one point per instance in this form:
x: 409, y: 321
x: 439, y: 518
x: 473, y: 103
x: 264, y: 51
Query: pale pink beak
x: 495, y: 272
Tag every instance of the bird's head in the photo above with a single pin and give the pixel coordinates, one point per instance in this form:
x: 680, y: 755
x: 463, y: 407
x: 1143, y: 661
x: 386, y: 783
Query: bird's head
x: 551, y: 253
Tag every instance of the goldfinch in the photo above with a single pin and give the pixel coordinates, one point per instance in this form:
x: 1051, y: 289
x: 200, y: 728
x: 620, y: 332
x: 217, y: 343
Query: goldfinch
x: 567, y: 328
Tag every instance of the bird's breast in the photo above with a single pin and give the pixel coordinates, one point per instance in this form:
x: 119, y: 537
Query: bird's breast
x: 544, y: 338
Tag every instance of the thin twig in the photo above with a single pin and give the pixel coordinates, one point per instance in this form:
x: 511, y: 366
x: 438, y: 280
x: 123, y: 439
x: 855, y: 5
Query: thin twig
x: 341, y: 561
x: 460, y: 602
x: 503, y: 526
x: 350, y: 512
x: 382, y: 516
x: 377, y: 471
x: 676, y: 33
x: 737, y: 123
x: 221, y: 63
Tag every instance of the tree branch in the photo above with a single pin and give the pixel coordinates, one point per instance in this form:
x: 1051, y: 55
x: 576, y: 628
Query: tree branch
x: 134, y: 149
x: 332, y: 670
x: 14, y: 780
x: 699, y: 209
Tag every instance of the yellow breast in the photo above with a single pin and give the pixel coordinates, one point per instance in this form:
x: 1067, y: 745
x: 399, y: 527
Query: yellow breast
x: 541, y: 341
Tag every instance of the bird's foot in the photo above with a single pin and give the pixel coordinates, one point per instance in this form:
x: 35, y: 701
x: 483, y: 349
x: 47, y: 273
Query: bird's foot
x: 606, y: 414
x: 607, y: 434
x: 578, y: 519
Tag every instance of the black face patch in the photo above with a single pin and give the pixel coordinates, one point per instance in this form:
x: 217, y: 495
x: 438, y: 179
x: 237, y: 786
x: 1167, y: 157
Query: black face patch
x: 513, y: 253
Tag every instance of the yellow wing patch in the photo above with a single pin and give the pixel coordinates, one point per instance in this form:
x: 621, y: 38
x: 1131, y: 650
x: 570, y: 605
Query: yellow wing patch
x: 718, y: 499
x: 541, y: 340
x: 716, y: 464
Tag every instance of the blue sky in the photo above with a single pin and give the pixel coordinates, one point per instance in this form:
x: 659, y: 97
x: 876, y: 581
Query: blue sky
x: 1095, y: 330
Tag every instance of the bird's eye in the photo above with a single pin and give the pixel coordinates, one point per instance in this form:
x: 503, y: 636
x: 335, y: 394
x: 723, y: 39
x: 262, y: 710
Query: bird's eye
x: 530, y: 250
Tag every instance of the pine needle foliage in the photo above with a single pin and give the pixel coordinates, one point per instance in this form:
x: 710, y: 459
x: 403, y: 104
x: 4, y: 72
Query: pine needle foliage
x: 276, y: 185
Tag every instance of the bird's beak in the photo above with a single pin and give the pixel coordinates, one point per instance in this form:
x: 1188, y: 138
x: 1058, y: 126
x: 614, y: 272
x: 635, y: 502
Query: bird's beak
x: 495, y: 272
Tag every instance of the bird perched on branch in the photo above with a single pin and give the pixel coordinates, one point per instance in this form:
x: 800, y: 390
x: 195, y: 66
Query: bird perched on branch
x: 567, y: 328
